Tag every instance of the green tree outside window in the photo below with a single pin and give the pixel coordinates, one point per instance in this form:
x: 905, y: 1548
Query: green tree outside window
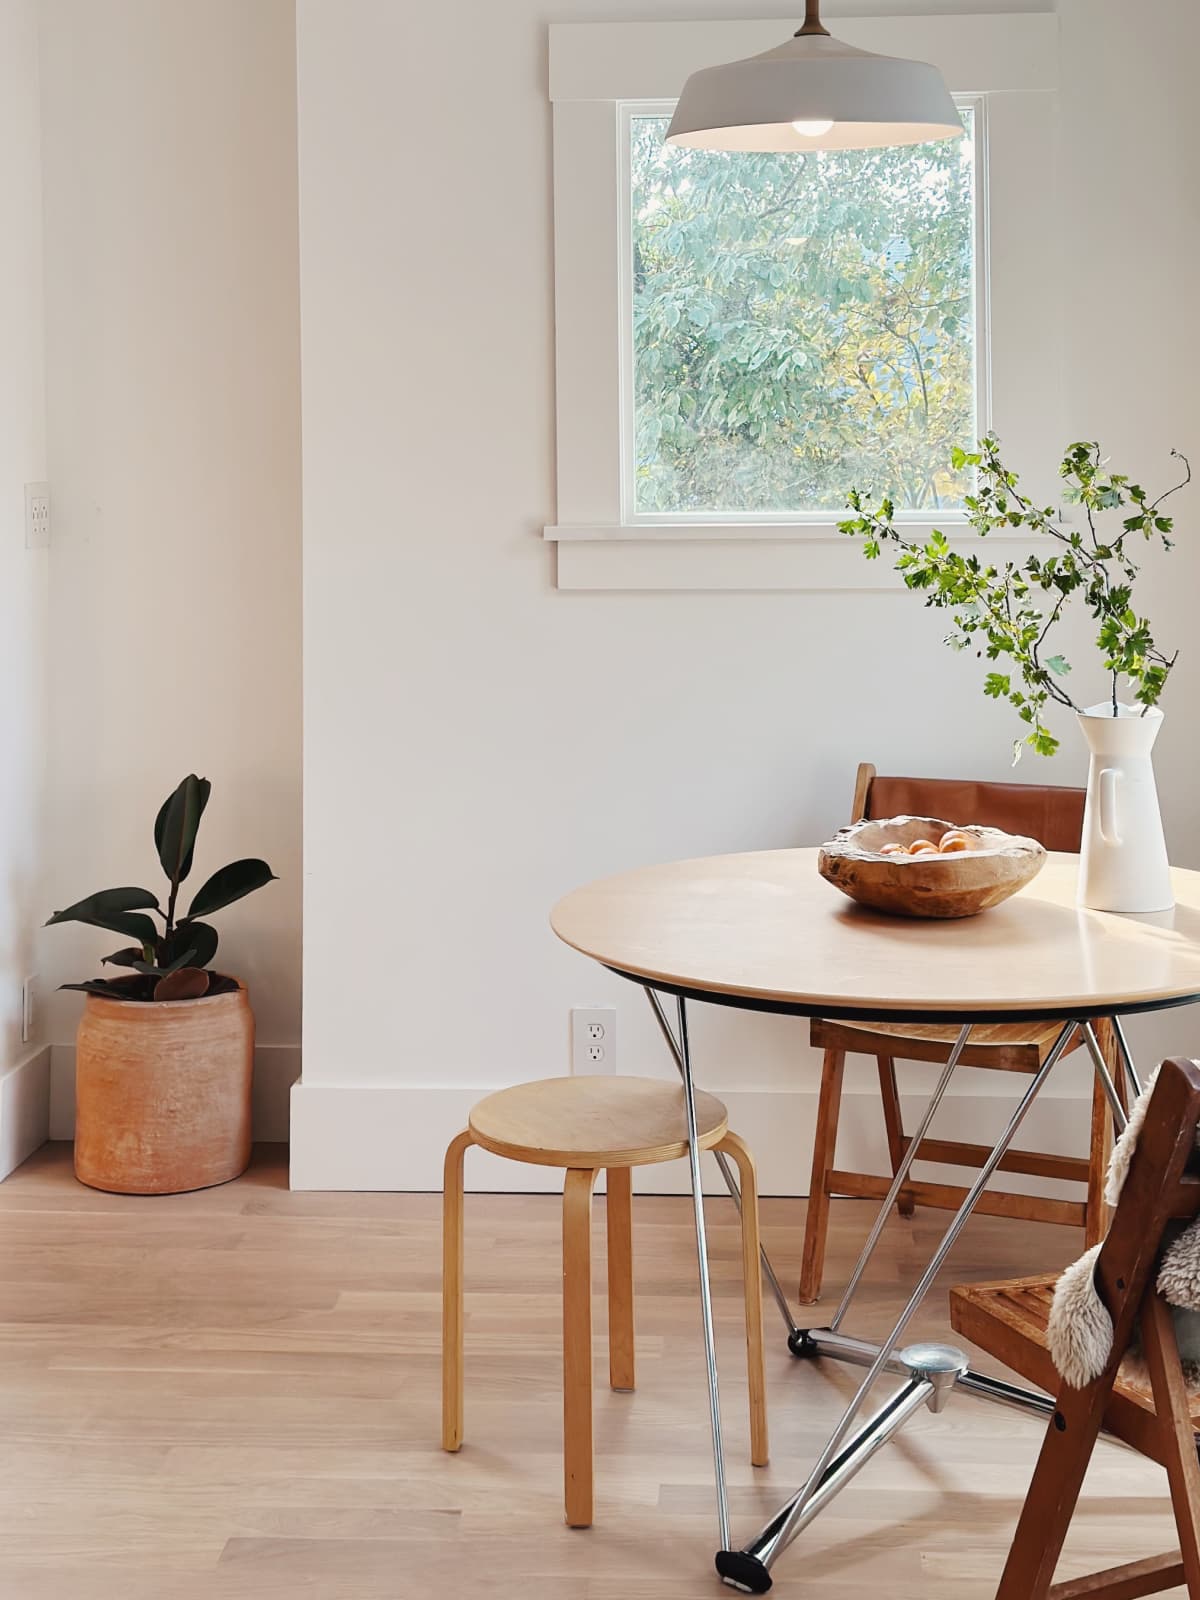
x: 801, y: 322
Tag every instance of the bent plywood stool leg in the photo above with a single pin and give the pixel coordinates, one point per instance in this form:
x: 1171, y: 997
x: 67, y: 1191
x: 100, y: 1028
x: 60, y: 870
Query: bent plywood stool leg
x: 619, y: 1212
x: 452, y: 1291
x: 577, y: 1345
x: 756, y: 1373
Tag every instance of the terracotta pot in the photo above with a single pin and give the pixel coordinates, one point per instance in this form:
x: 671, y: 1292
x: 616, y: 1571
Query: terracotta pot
x: 162, y: 1092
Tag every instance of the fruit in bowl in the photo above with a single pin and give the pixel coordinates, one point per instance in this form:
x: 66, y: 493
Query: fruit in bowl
x: 950, y: 843
x: 927, y: 867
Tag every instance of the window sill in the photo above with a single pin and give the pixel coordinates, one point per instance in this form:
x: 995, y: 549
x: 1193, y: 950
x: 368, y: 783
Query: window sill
x: 759, y: 558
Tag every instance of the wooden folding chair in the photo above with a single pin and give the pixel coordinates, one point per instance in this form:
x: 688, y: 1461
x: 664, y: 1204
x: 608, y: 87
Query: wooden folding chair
x: 1009, y: 1320
x: 1055, y: 817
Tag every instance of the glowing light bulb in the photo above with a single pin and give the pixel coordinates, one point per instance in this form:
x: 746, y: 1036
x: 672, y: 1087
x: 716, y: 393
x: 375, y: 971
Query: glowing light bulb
x: 815, y: 128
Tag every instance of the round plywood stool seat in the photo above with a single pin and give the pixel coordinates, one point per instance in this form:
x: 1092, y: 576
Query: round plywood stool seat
x: 585, y: 1125
x: 594, y: 1122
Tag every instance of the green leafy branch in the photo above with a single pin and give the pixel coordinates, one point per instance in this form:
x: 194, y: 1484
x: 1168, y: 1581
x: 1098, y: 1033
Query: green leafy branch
x: 1010, y: 611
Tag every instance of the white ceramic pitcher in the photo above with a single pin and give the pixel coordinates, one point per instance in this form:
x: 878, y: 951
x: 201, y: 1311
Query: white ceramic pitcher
x: 1123, y: 865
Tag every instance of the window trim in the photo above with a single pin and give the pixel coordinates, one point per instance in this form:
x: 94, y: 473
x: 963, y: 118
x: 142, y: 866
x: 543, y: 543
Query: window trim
x: 603, y: 73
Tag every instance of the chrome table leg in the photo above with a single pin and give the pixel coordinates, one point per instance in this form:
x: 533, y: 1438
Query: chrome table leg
x: 842, y: 1458
x: 783, y: 1527
x: 1131, y: 1072
x: 902, y: 1171
x: 931, y: 1372
x: 726, y: 1168
x: 710, y: 1343
x: 1101, y: 1065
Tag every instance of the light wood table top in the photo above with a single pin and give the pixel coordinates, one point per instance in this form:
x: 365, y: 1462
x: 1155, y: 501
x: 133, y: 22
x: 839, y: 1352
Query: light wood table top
x: 765, y: 931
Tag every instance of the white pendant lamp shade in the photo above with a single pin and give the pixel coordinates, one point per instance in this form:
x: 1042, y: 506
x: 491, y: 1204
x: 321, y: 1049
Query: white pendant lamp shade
x: 814, y: 93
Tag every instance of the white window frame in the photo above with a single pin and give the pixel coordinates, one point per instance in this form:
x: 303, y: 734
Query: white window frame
x: 601, y: 74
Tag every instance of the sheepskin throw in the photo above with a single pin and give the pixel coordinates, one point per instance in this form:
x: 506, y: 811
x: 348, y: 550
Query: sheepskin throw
x: 1080, y: 1330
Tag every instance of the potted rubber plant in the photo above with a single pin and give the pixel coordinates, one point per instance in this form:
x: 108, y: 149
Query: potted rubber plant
x: 165, y: 1049
x: 1009, y: 612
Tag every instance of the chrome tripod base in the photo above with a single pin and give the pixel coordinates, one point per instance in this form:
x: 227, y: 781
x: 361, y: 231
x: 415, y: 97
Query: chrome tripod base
x: 931, y: 1371
x: 940, y: 1365
x: 945, y: 1364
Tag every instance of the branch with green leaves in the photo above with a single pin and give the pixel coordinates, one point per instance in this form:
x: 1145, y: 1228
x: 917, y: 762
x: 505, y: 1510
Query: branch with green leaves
x: 1008, y: 612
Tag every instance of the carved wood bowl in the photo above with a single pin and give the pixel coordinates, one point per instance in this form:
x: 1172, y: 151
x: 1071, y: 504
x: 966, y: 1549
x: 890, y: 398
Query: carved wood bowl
x: 958, y: 884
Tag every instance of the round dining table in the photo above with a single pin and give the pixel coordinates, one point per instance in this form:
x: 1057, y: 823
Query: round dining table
x: 764, y: 932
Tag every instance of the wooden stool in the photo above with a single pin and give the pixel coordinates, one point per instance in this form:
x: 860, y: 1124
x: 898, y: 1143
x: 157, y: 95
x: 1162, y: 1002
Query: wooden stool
x: 584, y: 1124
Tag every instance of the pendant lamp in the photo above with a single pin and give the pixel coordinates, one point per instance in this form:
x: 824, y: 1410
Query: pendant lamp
x: 814, y: 93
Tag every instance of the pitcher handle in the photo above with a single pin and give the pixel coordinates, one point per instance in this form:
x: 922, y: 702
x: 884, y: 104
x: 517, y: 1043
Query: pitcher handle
x: 1110, y: 777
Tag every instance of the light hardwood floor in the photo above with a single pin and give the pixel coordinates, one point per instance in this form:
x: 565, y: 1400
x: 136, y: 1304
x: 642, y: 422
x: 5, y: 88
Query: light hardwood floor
x: 235, y: 1394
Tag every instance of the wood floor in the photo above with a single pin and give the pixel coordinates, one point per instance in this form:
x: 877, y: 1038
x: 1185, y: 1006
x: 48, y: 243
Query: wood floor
x: 234, y: 1395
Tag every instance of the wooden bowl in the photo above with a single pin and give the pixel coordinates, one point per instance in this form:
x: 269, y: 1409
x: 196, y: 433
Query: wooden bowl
x: 957, y: 884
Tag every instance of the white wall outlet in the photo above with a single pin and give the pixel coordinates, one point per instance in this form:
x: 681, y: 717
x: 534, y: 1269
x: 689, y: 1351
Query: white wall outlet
x: 28, y: 1009
x: 593, y: 1039
x: 37, y: 516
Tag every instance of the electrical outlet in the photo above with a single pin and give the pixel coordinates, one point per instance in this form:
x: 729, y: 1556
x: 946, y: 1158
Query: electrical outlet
x: 593, y: 1039
x: 28, y: 1012
x: 37, y: 516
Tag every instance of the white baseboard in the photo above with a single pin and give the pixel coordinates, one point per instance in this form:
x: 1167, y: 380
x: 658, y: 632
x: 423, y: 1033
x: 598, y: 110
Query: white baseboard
x: 276, y: 1069
x: 24, y: 1109
x: 392, y: 1137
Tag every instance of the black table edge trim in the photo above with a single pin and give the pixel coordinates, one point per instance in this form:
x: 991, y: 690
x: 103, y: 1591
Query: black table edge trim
x: 835, y: 1013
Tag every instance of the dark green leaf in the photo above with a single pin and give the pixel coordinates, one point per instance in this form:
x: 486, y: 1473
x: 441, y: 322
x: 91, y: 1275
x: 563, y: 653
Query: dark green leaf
x: 200, y: 938
x: 114, y: 909
x: 131, y: 956
x: 176, y: 825
x: 229, y: 884
x: 100, y: 986
x: 151, y: 971
x: 187, y: 959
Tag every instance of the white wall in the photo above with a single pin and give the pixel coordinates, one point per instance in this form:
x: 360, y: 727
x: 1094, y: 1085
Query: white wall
x: 173, y: 384
x: 477, y: 743
x: 23, y: 1067
x: 1130, y: 121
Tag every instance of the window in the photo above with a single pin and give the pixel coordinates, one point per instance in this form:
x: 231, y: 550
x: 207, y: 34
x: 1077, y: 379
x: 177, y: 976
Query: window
x: 741, y: 338
x: 796, y: 324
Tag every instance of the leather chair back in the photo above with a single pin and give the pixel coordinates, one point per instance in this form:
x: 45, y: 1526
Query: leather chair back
x: 1053, y: 816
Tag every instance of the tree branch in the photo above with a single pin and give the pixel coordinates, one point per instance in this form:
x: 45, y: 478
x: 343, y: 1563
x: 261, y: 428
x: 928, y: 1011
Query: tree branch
x: 1182, y: 484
